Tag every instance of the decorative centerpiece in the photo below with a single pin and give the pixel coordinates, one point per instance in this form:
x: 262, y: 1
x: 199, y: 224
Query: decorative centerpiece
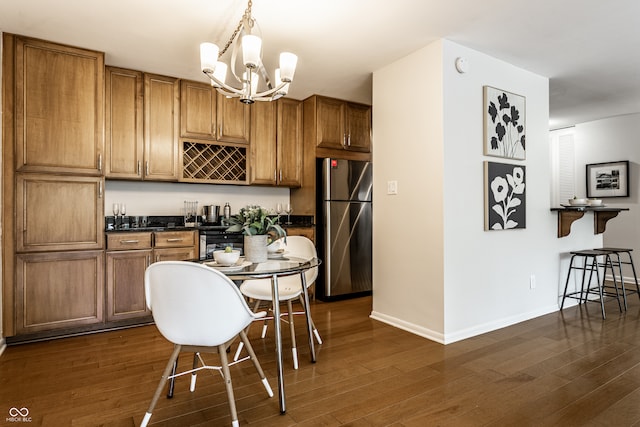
x: 259, y: 230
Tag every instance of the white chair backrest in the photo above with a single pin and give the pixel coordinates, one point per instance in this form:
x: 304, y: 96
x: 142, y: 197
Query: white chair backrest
x: 302, y: 247
x: 193, y: 304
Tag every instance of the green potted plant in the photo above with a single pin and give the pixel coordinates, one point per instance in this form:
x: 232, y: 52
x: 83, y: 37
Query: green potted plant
x: 259, y: 228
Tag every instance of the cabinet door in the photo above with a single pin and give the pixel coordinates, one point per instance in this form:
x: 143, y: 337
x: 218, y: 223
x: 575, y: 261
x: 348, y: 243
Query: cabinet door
x: 330, y: 123
x: 56, y: 213
x: 59, y: 108
x: 59, y: 290
x: 263, y: 143
x: 161, y: 99
x: 175, y: 254
x: 124, y: 123
x: 125, y: 284
x: 197, y: 110
x: 308, y: 232
x: 359, y: 127
x: 290, y: 149
x: 234, y: 120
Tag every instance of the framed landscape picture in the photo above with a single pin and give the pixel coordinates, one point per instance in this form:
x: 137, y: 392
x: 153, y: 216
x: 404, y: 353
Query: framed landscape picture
x: 504, y: 124
x: 609, y: 179
x: 505, y: 204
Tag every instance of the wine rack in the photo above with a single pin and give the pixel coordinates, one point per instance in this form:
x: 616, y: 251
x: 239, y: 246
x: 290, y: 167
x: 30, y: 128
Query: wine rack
x: 218, y: 163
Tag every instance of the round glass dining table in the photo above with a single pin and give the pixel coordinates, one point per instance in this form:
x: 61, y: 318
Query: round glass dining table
x: 273, y: 269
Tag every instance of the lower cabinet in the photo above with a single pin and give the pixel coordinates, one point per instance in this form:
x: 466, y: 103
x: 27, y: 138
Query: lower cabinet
x: 128, y: 256
x: 125, y: 284
x: 59, y: 290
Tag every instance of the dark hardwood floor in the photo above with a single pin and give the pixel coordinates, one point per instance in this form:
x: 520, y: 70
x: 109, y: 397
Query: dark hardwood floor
x: 562, y: 369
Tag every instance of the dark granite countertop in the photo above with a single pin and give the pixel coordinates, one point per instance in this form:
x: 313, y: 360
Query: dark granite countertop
x: 176, y: 223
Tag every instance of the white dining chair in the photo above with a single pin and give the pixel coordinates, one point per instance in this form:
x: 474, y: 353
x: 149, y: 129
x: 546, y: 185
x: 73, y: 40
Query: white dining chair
x: 199, y: 310
x: 289, y: 289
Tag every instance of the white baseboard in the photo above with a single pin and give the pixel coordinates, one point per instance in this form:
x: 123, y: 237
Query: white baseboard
x: 464, y: 333
x: 409, y: 327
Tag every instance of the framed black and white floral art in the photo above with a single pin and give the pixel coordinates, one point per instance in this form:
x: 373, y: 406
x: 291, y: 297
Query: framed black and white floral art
x: 504, y: 124
x: 505, y: 204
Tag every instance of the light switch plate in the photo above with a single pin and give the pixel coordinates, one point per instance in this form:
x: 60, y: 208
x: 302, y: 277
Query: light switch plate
x: 392, y: 187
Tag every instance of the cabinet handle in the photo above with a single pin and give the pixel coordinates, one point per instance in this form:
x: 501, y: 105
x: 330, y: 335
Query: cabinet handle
x: 349, y: 141
x: 275, y: 175
x: 100, y: 190
x: 100, y: 162
x: 175, y: 240
x: 148, y: 260
x: 139, y: 168
x: 280, y: 174
x: 147, y: 167
x: 344, y: 139
x: 124, y: 242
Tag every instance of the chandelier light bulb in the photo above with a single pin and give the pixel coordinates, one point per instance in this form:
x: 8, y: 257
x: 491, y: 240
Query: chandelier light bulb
x: 251, y: 48
x: 288, y: 62
x: 208, y: 57
x: 285, y: 88
x: 220, y: 73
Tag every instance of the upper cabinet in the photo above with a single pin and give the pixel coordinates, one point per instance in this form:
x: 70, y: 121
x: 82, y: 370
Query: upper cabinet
x: 161, y: 118
x: 205, y: 114
x: 276, y: 143
x: 234, y: 120
x: 59, y: 97
x: 290, y: 142
x: 197, y: 110
x: 124, y: 123
x: 340, y: 124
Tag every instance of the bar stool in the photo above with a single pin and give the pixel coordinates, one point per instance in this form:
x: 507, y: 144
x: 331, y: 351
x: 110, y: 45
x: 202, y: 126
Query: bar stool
x: 591, y: 263
x: 627, y: 252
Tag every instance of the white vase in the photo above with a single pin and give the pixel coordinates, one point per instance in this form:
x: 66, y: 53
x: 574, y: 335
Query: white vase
x: 255, y: 248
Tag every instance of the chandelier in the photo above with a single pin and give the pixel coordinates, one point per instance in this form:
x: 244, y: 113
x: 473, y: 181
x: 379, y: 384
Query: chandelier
x: 252, y: 60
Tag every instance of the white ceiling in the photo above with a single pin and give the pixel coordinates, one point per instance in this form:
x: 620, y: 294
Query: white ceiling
x: 589, y: 49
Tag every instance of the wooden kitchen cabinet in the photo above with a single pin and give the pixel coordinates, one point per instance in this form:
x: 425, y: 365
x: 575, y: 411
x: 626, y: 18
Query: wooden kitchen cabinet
x: 161, y: 128
x: 128, y: 256
x: 206, y: 114
x: 124, y: 123
x: 308, y: 232
x: 340, y: 125
x: 58, y: 212
x: 276, y: 143
x: 59, y: 290
x: 197, y: 110
x: 233, y: 120
x: 59, y: 105
x: 175, y: 246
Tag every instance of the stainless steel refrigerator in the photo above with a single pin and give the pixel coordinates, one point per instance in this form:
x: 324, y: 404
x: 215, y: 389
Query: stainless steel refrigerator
x: 345, y: 224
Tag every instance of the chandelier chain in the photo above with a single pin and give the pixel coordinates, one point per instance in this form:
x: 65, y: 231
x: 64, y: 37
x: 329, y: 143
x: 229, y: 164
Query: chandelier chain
x: 245, y: 17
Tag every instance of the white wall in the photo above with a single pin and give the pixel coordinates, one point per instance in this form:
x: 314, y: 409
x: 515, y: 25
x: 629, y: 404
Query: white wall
x: 452, y: 279
x: 157, y: 198
x: 408, y: 269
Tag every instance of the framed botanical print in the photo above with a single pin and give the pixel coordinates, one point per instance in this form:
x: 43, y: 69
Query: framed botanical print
x: 504, y: 124
x: 505, y: 204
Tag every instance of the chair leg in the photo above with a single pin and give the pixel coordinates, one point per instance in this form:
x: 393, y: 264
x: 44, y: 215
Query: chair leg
x: 254, y: 359
x: 229, y: 386
x: 313, y: 325
x: 292, y: 331
x: 165, y: 375
x: 192, y: 386
x: 246, y: 330
x: 635, y: 277
x: 566, y: 283
x: 172, y: 382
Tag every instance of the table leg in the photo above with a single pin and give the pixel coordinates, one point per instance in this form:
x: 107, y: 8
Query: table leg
x: 276, y: 322
x: 307, y: 308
